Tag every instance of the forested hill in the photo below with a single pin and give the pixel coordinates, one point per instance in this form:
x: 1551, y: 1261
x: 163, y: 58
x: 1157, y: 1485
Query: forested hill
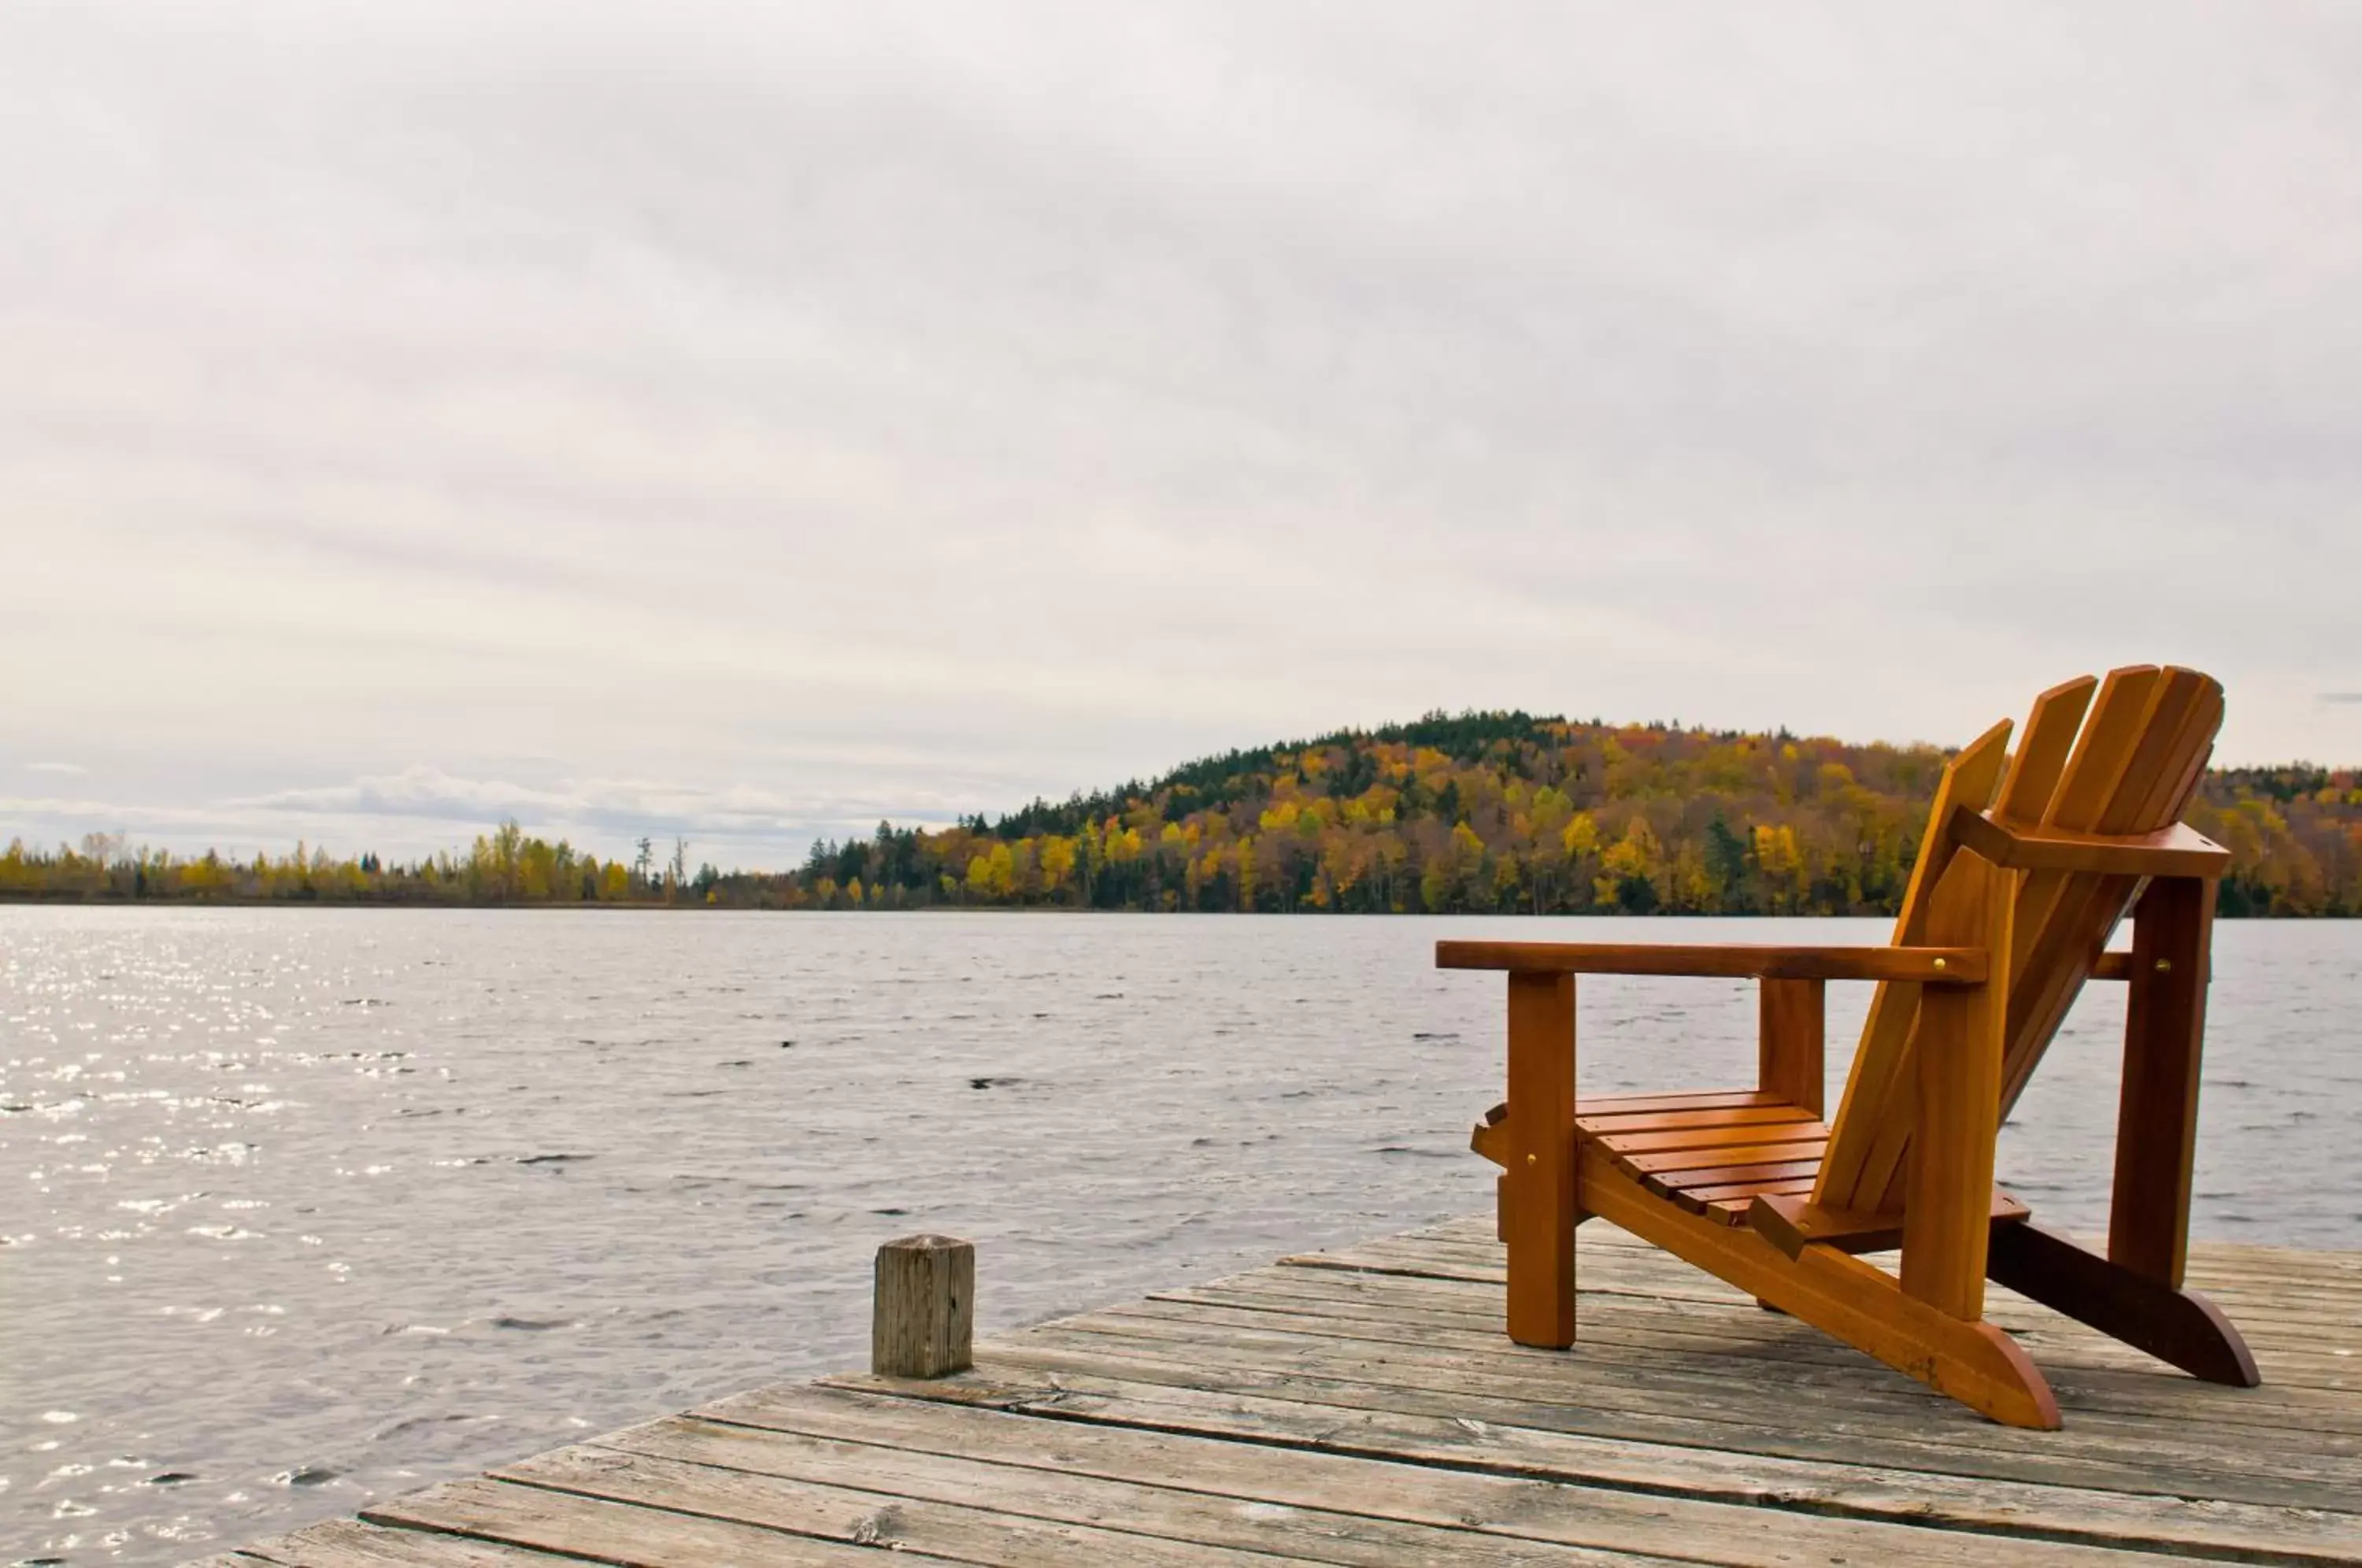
x: 1491, y: 813
x: 1510, y: 813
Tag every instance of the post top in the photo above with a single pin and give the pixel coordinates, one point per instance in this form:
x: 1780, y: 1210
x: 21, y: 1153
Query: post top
x: 925, y: 1241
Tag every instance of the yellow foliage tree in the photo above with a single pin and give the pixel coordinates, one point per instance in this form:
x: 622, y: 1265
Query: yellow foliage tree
x: 1058, y: 862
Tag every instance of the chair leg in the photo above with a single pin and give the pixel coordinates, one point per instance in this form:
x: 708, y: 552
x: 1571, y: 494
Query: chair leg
x: 2178, y: 1327
x: 1948, y: 1218
x: 1537, y: 1191
x: 2156, y: 1118
x: 1789, y: 1041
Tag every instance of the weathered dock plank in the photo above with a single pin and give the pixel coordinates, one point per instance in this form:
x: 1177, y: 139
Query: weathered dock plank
x: 1362, y: 1406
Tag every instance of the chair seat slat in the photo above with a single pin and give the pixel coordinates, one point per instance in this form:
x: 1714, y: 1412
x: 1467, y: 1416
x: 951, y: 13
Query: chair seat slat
x: 1799, y: 1129
x: 1705, y: 1100
x: 1603, y: 1123
x: 1699, y: 1159
x: 1670, y: 1182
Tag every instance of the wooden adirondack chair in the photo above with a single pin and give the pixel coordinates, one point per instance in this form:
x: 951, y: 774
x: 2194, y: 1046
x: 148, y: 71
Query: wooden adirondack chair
x: 2029, y: 862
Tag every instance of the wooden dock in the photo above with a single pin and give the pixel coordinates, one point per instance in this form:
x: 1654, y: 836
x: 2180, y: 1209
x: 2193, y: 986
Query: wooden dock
x: 1364, y: 1407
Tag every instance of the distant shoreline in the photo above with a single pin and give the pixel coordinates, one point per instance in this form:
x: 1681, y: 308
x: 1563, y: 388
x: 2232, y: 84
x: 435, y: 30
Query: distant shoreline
x: 90, y: 901
x: 1467, y: 813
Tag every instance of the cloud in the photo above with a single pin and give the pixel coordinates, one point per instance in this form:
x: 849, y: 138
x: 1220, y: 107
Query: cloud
x: 815, y: 412
x: 417, y: 792
x: 2341, y: 697
x: 618, y: 804
x: 422, y: 809
x: 69, y: 768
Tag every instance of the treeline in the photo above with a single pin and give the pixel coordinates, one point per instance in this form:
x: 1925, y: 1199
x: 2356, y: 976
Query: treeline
x: 1476, y: 812
x: 504, y: 867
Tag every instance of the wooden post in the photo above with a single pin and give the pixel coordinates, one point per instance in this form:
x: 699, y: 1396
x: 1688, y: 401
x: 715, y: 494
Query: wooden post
x: 1790, y: 1025
x: 1948, y: 1204
x: 1538, y: 1203
x: 923, y: 1324
x: 2156, y: 1118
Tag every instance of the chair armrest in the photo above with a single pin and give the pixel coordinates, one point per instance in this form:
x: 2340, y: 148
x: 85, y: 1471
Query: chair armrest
x: 2179, y: 850
x: 1926, y: 966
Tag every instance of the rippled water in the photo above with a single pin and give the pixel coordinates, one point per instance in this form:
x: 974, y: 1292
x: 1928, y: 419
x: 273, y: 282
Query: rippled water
x: 305, y: 1206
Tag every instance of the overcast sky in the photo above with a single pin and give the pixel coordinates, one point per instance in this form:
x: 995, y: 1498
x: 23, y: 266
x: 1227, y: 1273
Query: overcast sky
x: 748, y: 422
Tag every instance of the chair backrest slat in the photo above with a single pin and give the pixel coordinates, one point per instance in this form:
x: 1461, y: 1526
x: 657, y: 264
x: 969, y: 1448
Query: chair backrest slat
x: 2051, y: 904
x: 2043, y: 748
x: 2130, y: 769
x: 1881, y: 1057
x: 2185, y: 710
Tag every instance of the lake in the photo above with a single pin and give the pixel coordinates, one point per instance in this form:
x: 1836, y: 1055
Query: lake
x: 305, y: 1206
